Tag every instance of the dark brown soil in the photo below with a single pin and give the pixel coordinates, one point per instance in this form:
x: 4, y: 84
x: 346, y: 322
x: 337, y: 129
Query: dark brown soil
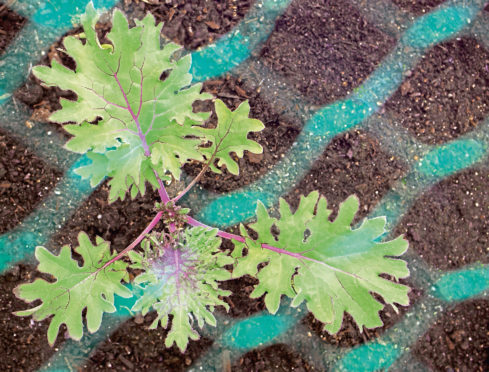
x: 448, y: 226
x: 240, y: 298
x: 197, y: 23
x: 323, y: 56
x: 275, y: 358
x: 120, y: 222
x: 447, y: 94
x: 25, y: 180
x: 10, y: 25
x: 353, y: 163
x: 418, y: 7
x: 459, y: 340
x: 133, y: 347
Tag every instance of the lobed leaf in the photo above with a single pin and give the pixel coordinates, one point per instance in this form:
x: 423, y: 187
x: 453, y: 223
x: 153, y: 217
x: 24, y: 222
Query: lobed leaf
x: 328, y: 265
x: 143, y: 123
x: 145, y: 127
x: 183, y: 283
x: 230, y: 136
x: 75, y: 288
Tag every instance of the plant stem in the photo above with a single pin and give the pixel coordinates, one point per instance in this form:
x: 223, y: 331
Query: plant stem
x: 192, y: 221
x: 226, y: 235
x: 165, y: 198
x: 141, y: 236
x: 199, y: 176
x: 191, y: 184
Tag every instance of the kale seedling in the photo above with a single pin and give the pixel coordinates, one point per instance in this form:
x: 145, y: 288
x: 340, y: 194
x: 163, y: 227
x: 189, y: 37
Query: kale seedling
x: 139, y: 129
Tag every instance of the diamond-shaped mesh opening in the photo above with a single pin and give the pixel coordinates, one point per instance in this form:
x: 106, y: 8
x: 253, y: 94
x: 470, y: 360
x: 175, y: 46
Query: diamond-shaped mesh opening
x: 24, y: 181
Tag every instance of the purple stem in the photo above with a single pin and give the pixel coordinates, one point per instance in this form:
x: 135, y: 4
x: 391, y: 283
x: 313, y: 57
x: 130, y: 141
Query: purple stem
x: 226, y: 235
x: 165, y: 198
x: 141, y: 236
x: 161, y: 190
x: 192, y: 221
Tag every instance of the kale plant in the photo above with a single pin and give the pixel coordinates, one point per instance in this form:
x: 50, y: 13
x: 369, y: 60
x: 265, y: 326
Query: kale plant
x: 139, y: 128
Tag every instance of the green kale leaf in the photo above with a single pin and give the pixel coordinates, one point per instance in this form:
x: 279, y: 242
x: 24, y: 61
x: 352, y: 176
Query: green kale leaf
x: 329, y: 265
x: 75, y: 287
x: 182, y: 281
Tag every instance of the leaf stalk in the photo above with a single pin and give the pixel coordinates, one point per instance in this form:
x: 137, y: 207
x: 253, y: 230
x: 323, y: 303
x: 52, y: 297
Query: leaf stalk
x: 141, y: 236
x: 230, y: 236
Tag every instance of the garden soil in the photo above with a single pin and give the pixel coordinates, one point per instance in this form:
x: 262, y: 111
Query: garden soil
x: 313, y: 46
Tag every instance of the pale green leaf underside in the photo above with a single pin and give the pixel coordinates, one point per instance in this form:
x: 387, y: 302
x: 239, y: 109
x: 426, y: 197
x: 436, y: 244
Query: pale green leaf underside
x: 338, y: 268
x: 188, y: 296
x: 76, y: 288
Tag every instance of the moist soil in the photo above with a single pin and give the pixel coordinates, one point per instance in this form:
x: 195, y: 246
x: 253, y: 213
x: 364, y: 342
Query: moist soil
x: 277, y: 358
x: 330, y: 54
x: 418, y: 7
x: 457, y: 222
x: 133, y: 347
x: 196, y: 23
x: 458, y: 339
x: 312, y: 39
x: 454, y: 102
x: 25, y: 180
x: 10, y: 25
x: 23, y: 342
